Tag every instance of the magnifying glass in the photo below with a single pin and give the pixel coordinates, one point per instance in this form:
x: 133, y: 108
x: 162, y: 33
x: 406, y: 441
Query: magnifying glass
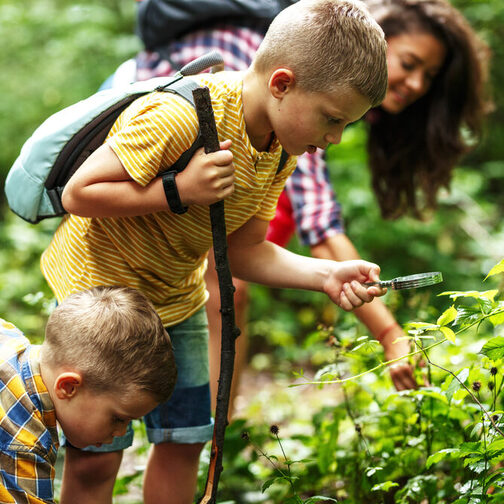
x: 410, y: 281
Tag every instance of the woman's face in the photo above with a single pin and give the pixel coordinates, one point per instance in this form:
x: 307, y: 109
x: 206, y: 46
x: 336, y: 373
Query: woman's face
x: 413, y: 60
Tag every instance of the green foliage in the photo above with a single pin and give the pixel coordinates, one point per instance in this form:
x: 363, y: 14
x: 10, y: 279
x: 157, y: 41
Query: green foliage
x: 56, y: 52
x: 442, y: 442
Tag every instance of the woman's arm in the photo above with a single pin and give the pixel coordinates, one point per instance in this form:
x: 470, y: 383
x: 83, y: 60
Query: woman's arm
x: 375, y: 315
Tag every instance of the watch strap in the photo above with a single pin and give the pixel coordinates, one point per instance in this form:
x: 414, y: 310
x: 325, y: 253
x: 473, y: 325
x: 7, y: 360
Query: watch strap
x: 171, y: 193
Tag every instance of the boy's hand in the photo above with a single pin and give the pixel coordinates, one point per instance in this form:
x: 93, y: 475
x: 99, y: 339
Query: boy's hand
x: 344, y: 285
x: 208, y: 178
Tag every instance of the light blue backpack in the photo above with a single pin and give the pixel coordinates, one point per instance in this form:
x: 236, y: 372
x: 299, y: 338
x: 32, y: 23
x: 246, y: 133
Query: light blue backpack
x: 66, y: 139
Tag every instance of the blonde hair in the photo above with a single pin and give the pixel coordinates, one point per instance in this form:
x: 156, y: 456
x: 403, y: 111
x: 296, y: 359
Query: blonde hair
x: 115, y: 339
x: 328, y: 44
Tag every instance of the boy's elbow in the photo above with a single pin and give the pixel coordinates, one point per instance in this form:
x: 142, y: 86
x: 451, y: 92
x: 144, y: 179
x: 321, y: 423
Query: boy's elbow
x: 69, y: 201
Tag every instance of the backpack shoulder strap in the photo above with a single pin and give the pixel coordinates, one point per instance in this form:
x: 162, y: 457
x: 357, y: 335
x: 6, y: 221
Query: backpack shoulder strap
x: 184, y: 88
x: 283, y: 159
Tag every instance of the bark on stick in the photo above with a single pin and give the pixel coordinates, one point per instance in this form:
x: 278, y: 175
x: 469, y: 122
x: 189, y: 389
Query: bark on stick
x: 230, y: 332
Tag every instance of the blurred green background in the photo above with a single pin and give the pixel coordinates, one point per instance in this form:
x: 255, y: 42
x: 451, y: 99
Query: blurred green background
x: 56, y: 52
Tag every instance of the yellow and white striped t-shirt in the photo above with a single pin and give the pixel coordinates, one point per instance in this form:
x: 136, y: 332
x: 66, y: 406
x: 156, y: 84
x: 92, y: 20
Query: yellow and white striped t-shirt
x: 163, y: 254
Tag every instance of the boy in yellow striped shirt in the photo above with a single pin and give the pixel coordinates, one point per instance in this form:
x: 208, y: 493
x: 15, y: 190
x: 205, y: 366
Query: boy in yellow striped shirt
x: 321, y: 66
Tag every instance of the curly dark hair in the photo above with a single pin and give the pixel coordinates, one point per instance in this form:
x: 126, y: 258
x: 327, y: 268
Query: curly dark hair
x: 419, y: 147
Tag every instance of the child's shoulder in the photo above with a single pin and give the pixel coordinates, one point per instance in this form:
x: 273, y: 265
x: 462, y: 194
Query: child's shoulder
x: 9, y: 329
x: 11, y: 338
x: 221, y: 83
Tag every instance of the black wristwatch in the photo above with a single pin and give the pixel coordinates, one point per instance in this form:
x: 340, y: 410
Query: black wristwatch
x: 171, y: 193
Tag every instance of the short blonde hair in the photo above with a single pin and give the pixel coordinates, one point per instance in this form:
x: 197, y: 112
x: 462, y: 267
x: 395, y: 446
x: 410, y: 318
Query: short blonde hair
x: 115, y: 339
x: 328, y: 44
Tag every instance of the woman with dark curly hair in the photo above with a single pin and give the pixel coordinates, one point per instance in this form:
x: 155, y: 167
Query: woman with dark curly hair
x: 416, y: 139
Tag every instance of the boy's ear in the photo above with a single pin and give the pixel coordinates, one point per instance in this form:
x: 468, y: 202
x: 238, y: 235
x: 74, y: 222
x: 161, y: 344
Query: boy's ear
x: 67, y: 384
x: 281, y: 81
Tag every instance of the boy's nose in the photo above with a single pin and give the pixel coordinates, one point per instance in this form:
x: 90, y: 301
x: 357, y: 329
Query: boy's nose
x: 334, y: 137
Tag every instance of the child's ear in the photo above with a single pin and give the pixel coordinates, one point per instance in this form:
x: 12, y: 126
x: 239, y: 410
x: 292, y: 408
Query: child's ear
x: 281, y: 81
x: 67, y: 384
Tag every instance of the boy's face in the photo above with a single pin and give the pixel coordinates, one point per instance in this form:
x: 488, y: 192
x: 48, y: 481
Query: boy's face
x: 304, y: 121
x: 91, y: 418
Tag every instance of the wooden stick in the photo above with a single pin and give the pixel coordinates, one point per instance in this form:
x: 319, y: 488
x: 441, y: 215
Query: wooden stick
x: 229, y: 332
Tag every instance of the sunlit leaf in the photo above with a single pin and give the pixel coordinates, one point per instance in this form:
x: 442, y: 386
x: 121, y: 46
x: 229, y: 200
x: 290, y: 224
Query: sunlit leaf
x: 497, y: 319
x: 489, y: 294
x: 498, y: 268
x: 448, y: 333
x: 385, y: 486
x: 421, y: 325
x: 372, y: 470
x: 494, y: 348
x: 448, y: 316
x: 319, y: 498
x: 440, y: 455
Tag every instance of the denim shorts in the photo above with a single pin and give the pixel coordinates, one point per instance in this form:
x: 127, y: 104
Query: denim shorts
x: 185, y: 417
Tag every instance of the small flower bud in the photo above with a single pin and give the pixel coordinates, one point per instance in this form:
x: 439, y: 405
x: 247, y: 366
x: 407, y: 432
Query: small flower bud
x: 358, y: 428
x: 495, y: 418
x: 245, y: 435
x: 274, y: 430
x: 491, y: 385
x: 493, y: 371
x: 476, y: 386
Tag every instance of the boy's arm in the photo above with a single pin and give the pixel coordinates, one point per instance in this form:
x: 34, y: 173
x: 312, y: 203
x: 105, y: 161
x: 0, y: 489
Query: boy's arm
x: 254, y: 259
x: 102, y: 187
x: 374, y: 315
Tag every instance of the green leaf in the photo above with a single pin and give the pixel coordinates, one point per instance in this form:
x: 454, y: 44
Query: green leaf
x: 471, y: 448
x: 319, y: 498
x: 494, y: 348
x: 455, y: 385
x: 498, y: 268
x: 497, y: 319
x: 448, y: 333
x: 421, y: 325
x: 372, y: 470
x: 267, y: 484
x: 489, y: 294
x: 385, y: 486
x: 440, y: 455
x: 448, y: 316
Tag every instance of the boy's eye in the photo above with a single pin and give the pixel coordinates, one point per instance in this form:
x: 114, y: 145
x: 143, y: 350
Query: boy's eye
x: 333, y: 120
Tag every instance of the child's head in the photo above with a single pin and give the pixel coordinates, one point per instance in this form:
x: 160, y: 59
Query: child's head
x: 106, y: 350
x: 460, y: 74
x: 416, y: 141
x: 328, y: 44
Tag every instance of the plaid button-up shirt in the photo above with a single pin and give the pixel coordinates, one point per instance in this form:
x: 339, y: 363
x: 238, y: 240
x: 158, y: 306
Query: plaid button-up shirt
x: 316, y: 211
x: 28, y: 434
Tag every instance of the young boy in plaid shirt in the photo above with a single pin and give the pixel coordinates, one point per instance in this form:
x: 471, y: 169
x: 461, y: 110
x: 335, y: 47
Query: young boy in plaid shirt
x: 106, y: 360
x: 321, y: 65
